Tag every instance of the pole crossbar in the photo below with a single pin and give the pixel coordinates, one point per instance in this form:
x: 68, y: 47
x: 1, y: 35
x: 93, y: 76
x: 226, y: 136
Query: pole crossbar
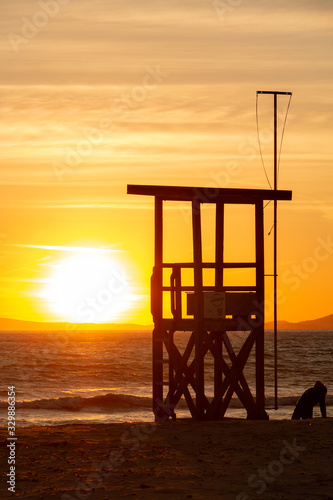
x: 273, y: 92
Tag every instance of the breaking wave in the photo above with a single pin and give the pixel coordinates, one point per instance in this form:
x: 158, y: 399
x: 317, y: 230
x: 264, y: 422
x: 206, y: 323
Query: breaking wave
x: 110, y: 403
x: 117, y: 403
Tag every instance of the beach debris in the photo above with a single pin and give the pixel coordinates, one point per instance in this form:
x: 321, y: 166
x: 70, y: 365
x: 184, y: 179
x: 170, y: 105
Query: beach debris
x: 146, y: 485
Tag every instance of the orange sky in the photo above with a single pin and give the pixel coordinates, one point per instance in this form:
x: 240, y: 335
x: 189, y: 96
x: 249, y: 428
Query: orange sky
x: 96, y: 95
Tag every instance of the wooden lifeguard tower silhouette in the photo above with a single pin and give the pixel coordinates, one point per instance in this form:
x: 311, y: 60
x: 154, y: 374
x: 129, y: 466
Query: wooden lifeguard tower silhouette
x: 212, y: 311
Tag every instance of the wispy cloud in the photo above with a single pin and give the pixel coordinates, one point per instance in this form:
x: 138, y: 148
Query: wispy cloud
x: 67, y: 249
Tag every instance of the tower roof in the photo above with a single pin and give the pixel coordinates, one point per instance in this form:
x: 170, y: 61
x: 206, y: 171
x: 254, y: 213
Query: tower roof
x: 209, y: 194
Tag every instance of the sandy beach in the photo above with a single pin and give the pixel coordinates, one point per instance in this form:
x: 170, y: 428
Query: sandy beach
x: 231, y: 459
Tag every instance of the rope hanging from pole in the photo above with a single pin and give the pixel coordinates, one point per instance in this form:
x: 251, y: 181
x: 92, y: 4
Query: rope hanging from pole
x: 281, y: 142
x: 282, y: 135
x: 259, y: 143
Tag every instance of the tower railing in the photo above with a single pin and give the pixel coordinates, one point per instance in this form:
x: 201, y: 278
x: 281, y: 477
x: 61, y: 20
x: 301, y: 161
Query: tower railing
x: 240, y: 300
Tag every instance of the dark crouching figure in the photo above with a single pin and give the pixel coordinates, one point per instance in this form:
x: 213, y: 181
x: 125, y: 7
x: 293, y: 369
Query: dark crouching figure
x: 311, y: 397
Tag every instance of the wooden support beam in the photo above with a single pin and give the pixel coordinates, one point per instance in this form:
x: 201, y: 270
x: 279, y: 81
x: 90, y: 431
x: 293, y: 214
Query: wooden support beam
x: 180, y: 373
x: 245, y: 397
x: 181, y: 369
x: 219, y: 244
x: 226, y: 400
x: 260, y: 285
x: 176, y: 293
x: 184, y: 374
x: 157, y: 278
x: 171, y: 346
x: 209, y: 344
x: 199, y: 312
x: 213, y: 288
x: 182, y: 364
x: 219, y: 261
x: 188, y: 398
x: 211, y: 265
x: 156, y: 307
x: 218, y: 370
x: 232, y: 374
x: 157, y: 371
x: 200, y: 195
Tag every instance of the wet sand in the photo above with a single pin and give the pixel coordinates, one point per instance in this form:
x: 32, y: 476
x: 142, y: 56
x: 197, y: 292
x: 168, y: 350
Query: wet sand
x: 232, y: 459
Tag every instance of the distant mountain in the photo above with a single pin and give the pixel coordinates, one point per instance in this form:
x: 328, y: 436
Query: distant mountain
x: 325, y: 323
x: 21, y: 325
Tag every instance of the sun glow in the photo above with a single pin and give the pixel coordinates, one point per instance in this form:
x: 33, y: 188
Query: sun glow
x: 88, y: 287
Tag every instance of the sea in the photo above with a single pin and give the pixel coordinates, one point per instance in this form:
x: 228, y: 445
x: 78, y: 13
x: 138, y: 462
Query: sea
x: 102, y: 377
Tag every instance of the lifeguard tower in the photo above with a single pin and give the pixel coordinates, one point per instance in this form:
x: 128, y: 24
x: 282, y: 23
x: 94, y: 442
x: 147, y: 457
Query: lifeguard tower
x: 211, y: 311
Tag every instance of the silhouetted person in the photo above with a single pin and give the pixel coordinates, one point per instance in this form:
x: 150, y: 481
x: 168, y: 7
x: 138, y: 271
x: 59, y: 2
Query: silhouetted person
x: 311, y: 397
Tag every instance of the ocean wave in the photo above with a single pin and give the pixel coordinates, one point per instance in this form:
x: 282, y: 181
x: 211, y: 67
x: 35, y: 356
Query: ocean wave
x: 117, y: 403
x: 282, y: 401
x: 108, y: 402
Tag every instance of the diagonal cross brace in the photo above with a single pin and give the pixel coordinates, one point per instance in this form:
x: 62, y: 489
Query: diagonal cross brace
x: 246, y: 396
x: 242, y: 390
x: 232, y: 376
x: 184, y: 374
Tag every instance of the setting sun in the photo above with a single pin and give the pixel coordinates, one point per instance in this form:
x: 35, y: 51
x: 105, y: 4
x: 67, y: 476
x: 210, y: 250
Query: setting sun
x: 87, y: 287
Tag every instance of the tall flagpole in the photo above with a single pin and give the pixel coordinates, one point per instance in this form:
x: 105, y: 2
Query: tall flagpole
x: 275, y: 259
x: 275, y: 94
